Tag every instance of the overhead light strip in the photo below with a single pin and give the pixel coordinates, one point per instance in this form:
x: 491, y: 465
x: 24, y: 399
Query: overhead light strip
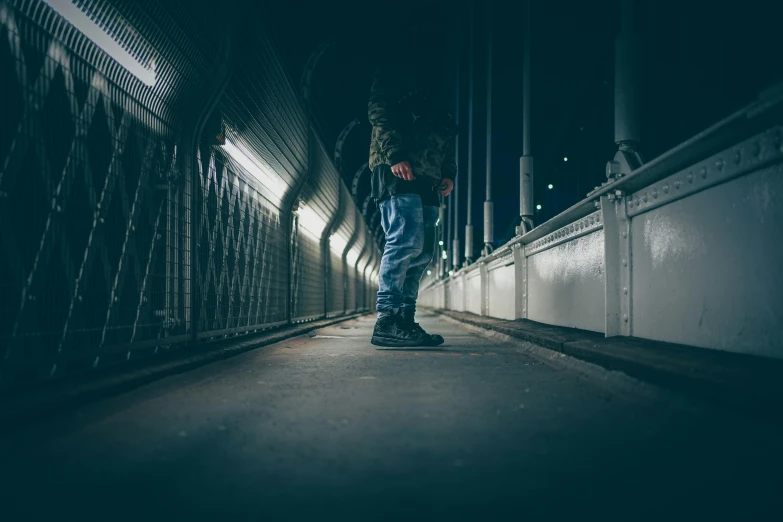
x: 81, y: 21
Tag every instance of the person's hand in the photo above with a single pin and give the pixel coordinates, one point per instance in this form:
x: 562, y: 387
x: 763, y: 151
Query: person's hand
x: 403, y: 171
x: 446, y: 186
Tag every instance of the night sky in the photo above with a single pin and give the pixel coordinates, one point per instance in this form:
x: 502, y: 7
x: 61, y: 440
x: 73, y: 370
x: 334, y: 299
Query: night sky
x: 701, y: 61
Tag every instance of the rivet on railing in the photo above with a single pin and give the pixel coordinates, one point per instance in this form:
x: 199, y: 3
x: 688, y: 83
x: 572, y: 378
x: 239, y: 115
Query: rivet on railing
x: 704, y: 173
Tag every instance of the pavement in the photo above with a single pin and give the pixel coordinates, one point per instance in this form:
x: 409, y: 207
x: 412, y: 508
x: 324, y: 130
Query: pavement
x: 325, y: 427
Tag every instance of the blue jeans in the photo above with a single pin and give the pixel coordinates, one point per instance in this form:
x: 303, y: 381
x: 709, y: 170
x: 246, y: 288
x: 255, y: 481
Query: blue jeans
x: 410, y: 236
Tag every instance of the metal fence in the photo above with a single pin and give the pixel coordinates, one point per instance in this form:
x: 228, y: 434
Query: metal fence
x: 151, y: 195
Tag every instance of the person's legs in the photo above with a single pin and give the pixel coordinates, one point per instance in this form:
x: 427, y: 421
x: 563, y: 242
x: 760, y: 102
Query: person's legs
x: 419, y: 264
x: 414, y: 275
x: 402, y: 218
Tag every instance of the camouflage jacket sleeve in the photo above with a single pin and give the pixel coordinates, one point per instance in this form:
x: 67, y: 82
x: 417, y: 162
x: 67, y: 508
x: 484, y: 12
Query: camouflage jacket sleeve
x: 383, y: 113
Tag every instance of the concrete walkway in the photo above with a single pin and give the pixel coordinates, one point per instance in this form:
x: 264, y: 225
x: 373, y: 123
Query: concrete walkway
x: 325, y: 427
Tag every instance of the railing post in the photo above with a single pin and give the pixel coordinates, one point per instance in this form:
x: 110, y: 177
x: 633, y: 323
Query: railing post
x: 520, y: 281
x: 617, y: 264
x: 484, y: 276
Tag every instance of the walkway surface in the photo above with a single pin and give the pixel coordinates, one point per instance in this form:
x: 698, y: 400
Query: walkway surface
x: 325, y: 427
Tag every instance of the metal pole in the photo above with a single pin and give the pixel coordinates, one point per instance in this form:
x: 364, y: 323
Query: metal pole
x: 455, y: 201
x: 440, y: 239
x: 489, y: 224
x: 626, y: 106
x: 447, y: 238
x: 469, y: 224
x: 626, y: 121
x: 526, y: 208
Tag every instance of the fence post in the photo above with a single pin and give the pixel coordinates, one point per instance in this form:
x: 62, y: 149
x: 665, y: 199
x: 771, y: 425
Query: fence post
x: 484, y: 276
x: 520, y: 281
x: 222, y: 76
x: 617, y: 264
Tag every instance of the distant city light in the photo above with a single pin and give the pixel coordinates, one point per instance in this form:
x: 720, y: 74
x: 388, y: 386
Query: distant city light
x: 550, y: 187
x: 565, y: 159
x: 538, y: 207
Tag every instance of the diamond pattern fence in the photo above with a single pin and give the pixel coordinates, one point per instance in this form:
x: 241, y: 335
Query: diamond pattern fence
x: 103, y: 257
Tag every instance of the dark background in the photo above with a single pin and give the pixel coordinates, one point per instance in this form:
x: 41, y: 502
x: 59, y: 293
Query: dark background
x: 701, y: 61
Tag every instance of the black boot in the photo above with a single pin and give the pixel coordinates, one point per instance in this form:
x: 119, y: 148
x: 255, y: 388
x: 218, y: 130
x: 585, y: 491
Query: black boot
x: 389, y: 332
x: 409, y: 323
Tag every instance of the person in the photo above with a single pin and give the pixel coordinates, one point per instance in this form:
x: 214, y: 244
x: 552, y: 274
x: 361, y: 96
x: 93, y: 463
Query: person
x: 413, y: 165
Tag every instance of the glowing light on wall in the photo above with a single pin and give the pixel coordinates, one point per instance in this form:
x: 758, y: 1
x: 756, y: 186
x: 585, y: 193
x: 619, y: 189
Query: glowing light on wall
x: 256, y: 168
x: 310, y: 221
x: 81, y: 21
x: 337, y: 244
x: 352, y: 257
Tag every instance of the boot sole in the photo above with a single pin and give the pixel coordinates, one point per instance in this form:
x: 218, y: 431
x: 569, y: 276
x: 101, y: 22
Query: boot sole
x: 385, y: 342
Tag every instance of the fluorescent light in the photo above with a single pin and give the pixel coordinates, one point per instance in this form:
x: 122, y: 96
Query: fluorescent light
x: 337, y: 243
x: 310, y: 221
x: 79, y: 19
x: 256, y: 168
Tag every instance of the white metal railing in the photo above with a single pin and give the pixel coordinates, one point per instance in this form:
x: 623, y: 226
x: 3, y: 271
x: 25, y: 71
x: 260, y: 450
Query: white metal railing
x: 685, y: 249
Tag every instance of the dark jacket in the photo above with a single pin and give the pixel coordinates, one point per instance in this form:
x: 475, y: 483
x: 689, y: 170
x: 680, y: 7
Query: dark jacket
x: 409, y: 123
